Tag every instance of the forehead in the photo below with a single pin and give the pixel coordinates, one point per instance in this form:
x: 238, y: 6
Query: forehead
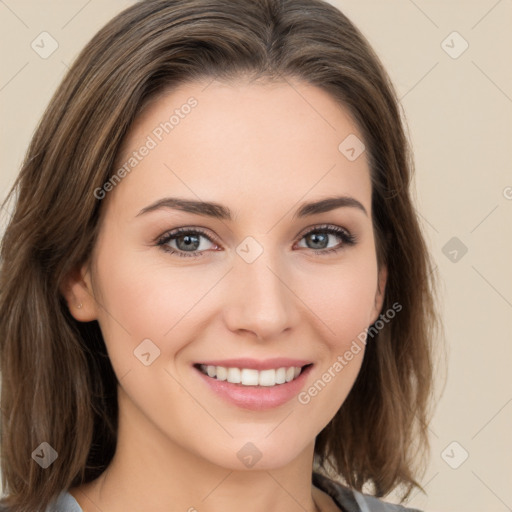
x: 236, y: 142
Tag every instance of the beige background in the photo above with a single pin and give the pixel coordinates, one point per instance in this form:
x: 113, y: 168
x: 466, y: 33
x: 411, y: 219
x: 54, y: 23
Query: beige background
x: 459, y: 115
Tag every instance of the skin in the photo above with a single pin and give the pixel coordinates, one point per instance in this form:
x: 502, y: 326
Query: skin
x: 262, y: 150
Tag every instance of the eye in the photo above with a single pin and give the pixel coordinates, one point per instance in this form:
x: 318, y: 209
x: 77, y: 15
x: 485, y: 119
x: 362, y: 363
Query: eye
x: 193, y: 242
x: 185, y: 242
x: 320, y: 236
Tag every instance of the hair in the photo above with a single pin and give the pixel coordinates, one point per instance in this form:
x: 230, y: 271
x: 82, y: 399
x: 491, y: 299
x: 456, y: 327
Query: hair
x: 58, y: 385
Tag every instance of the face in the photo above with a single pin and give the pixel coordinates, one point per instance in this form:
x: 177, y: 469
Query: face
x: 248, y: 288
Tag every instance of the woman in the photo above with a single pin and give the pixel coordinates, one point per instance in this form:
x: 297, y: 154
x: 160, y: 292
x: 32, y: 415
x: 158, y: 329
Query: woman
x: 215, y: 291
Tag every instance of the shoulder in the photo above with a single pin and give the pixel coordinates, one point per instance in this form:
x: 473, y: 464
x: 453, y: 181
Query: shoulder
x: 350, y: 500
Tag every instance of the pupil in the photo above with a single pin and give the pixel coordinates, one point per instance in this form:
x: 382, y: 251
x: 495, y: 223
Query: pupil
x: 318, y: 238
x: 191, y: 242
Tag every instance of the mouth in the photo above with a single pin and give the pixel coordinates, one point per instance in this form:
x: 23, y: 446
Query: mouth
x: 254, y: 384
x: 252, y: 377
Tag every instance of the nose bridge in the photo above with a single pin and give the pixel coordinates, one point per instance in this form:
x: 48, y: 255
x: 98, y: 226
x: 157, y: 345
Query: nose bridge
x: 260, y: 300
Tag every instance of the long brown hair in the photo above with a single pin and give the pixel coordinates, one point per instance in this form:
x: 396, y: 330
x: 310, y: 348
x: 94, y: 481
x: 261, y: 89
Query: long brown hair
x: 58, y: 385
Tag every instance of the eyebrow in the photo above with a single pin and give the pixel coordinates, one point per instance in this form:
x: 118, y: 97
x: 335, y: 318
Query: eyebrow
x: 218, y: 211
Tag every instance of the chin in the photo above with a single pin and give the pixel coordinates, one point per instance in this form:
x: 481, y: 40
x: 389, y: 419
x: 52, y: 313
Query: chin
x: 258, y: 453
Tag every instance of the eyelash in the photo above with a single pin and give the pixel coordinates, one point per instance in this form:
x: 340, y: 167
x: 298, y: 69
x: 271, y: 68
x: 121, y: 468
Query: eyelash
x: 347, y: 238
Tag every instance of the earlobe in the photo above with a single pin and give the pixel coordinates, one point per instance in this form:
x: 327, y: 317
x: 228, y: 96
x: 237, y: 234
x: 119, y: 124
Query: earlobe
x: 78, y: 293
x: 380, y: 294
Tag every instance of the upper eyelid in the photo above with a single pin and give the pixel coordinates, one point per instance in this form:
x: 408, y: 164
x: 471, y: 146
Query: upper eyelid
x: 319, y: 227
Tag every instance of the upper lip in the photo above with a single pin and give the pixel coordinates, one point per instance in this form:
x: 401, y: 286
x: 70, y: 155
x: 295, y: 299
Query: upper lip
x: 256, y: 364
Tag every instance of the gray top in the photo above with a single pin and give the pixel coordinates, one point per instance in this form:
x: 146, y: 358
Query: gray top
x: 65, y: 503
x: 348, y: 500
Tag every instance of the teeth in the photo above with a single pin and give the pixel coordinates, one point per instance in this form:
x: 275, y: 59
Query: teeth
x: 280, y: 375
x: 251, y: 377
x: 233, y: 375
x: 267, y: 378
x: 222, y: 373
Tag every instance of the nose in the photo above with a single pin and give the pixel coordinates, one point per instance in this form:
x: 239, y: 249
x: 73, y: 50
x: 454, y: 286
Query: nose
x: 260, y: 299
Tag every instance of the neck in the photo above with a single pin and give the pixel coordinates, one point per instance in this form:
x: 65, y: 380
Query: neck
x: 152, y: 472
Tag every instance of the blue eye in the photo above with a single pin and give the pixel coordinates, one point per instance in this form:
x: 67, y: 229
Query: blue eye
x: 320, y: 236
x: 186, y: 242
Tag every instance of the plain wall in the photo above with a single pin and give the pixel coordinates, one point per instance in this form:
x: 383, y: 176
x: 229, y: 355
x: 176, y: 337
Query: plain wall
x: 459, y: 111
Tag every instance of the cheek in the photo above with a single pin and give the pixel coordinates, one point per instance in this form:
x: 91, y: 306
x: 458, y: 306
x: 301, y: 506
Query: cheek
x: 344, y: 303
x: 138, y: 302
x: 342, y: 297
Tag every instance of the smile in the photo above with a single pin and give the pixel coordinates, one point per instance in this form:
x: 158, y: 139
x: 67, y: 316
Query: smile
x: 250, y: 376
x: 255, y: 384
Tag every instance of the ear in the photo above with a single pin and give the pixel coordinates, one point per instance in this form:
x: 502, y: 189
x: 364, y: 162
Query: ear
x: 379, y: 295
x: 78, y: 292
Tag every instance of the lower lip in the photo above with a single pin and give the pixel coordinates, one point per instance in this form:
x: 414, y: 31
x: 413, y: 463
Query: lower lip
x: 256, y: 398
